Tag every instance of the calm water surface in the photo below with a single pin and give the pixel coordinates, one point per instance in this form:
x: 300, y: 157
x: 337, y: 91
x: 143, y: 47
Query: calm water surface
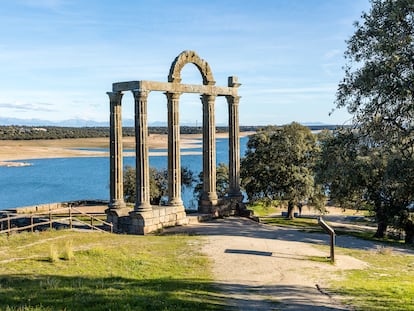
x: 66, y: 179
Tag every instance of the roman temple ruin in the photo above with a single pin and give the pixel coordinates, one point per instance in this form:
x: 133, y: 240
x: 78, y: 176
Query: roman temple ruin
x: 145, y: 218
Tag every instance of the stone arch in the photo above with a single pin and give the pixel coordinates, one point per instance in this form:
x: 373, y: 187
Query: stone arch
x: 145, y: 217
x: 183, y: 59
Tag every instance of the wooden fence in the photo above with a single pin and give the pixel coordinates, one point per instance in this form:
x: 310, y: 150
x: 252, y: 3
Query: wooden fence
x: 69, y: 217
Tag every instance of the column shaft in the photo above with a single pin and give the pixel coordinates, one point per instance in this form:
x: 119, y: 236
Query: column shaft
x: 142, y: 201
x: 116, y: 175
x: 234, y: 146
x: 174, y: 161
x: 209, y: 195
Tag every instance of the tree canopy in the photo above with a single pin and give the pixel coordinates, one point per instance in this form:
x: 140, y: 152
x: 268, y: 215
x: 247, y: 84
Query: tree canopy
x: 373, y: 164
x: 279, y: 164
x: 378, y: 85
x: 158, y: 183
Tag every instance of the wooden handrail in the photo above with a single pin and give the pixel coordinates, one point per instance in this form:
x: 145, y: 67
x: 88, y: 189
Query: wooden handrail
x: 331, y: 233
x: 50, y: 221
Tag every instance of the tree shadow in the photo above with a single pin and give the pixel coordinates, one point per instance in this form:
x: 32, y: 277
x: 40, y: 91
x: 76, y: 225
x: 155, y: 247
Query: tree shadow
x: 235, y: 226
x: 54, y: 292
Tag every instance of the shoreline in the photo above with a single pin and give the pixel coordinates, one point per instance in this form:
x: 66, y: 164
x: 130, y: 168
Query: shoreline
x: 20, y: 151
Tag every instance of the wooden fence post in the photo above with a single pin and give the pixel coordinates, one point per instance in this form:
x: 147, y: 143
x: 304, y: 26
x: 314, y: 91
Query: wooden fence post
x: 50, y: 220
x: 8, y: 225
x: 70, y: 218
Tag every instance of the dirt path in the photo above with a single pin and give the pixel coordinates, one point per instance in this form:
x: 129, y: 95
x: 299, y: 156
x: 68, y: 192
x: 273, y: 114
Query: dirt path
x: 263, y: 267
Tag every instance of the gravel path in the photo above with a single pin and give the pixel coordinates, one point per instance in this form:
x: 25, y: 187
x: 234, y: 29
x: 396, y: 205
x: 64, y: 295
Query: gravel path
x: 261, y: 267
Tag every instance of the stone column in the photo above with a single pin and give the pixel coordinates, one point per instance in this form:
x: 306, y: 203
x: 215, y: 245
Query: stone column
x: 234, y: 142
x: 209, y: 195
x: 142, y: 201
x: 174, y: 161
x: 116, y: 183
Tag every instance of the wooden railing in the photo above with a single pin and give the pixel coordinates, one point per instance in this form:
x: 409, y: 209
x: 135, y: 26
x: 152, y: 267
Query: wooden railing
x: 68, y: 216
x: 331, y: 233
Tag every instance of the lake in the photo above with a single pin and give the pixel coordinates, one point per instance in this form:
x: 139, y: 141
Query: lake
x: 67, y: 179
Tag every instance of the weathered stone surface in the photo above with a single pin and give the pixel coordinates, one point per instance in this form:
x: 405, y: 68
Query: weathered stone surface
x: 146, y: 218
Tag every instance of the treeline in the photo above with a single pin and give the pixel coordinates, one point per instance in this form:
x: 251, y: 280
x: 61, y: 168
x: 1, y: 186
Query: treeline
x: 14, y: 132
x: 50, y: 132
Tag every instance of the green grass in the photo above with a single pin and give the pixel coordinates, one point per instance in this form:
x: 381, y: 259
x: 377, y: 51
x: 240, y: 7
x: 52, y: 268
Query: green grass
x: 296, y: 222
x: 96, y: 271
x: 261, y: 209
x: 387, y: 283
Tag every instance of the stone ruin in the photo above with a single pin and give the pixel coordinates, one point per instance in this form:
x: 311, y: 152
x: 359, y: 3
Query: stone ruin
x: 145, y: 218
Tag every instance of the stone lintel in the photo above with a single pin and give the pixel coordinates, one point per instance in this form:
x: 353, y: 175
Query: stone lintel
x: 175, y: 88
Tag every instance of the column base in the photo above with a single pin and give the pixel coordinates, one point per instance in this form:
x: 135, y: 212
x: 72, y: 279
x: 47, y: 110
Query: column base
x: 116, y: 204
x: 143, y: 207
x: 236, y: 196
x: 208, y: 203
x: 176, y: 202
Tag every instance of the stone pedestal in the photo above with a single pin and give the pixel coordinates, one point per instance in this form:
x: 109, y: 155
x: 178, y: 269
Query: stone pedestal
x: 136, y: 222
x: 117, y: 216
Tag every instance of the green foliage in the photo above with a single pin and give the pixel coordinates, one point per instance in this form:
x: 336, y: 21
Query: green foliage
x: 279, y: 164
x: 309, y: 223
x: 261, y: 208
x: 377, y: 88
x: 358, y: 172
x: 50, y: 132
x: 222, y: 181
x: 158, y: 183
x: 15, y: 132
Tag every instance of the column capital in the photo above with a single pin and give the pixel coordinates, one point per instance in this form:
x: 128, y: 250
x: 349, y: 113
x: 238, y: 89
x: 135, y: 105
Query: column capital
x: 173, y: 95
x: 115, y: 97
x: 207, y: 97
x: 140, y: 93
x: 233, y: 99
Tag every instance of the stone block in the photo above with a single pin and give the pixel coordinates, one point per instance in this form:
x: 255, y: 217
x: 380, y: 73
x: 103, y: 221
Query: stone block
x: 162, y: 211
x: 155, y: 213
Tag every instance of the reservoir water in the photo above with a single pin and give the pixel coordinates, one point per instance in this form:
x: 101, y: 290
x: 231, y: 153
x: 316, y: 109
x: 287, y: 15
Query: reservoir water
x: 67, y: 179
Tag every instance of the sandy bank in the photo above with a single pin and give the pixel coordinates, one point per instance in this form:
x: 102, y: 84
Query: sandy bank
x: 15, y: 150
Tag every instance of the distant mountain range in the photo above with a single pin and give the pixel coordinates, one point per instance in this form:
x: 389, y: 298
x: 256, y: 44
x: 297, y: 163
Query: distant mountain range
x: 68, y: 123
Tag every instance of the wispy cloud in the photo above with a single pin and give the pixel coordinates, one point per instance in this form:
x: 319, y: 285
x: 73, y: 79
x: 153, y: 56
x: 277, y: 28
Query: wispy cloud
x: 25, y: 106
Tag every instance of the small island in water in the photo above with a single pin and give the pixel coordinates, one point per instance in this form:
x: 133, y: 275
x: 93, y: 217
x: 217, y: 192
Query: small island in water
x: 14, y: 164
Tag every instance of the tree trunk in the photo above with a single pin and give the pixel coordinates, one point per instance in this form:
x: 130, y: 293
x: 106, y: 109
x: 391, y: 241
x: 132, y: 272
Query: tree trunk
x: 382, y: 222
x: 409, y: 232
x: 290, y: 214
x: 381, y: 229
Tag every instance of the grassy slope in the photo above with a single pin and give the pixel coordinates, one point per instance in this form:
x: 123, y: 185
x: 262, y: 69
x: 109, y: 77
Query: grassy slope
x: 107, y: 272
x: 387, y: 284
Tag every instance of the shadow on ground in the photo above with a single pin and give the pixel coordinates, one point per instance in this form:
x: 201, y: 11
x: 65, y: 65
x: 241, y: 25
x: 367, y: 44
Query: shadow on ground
x: 51, y: 292
x: 235, y: 226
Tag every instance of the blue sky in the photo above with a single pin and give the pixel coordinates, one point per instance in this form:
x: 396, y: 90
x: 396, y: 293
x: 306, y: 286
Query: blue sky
x: 58, y: 58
